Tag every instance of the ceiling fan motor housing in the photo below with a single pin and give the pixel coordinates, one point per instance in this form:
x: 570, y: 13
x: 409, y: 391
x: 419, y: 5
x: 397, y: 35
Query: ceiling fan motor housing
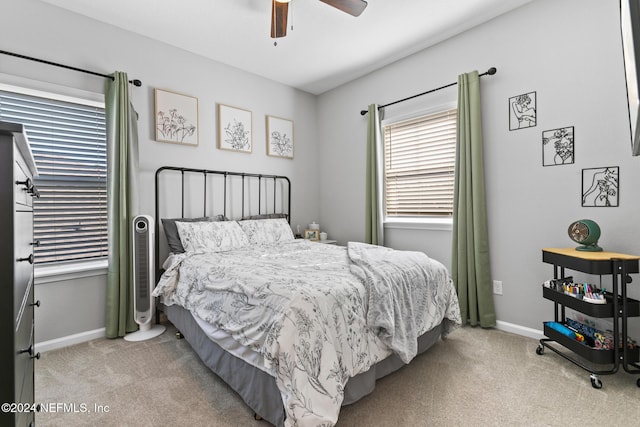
x: 280, y: 10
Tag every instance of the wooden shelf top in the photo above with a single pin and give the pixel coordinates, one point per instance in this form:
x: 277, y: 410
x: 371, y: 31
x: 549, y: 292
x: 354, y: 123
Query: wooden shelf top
x: 591, y: 256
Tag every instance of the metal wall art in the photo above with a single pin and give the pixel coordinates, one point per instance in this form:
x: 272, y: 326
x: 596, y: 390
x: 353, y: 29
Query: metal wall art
x: 522, y: 111
x: 558, y: 146
x: 601, y: 186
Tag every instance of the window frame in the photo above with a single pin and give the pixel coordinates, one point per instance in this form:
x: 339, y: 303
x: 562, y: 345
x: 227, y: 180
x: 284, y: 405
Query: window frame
x: 60, y: 270
x: 438, y: 223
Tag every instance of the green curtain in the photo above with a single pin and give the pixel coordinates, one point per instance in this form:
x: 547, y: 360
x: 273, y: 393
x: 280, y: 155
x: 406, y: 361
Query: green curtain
x: 122, y: 204
x: 374, y: 231
x: 470, y: 258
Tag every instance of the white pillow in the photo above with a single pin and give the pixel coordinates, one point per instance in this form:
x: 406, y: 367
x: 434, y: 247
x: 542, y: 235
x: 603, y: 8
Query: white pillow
x: 211, y: 236
x: 267, y: 231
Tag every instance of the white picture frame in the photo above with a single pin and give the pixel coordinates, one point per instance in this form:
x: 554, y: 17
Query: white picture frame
x: 235, y: 131
x: 280, y: 141
x: 176, y: 117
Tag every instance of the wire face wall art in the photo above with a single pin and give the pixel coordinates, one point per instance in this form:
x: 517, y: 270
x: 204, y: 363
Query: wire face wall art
x: 558, y: 146
x: 601, y: 186
x: 523, y: 111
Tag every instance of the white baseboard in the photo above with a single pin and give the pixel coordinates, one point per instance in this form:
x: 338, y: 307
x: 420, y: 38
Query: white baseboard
x: 99, y: 333
x: 69, y: 340
x: 519, y: 330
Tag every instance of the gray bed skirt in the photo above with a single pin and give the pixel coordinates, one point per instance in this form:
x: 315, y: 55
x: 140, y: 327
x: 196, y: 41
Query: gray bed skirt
x: 257, y: 388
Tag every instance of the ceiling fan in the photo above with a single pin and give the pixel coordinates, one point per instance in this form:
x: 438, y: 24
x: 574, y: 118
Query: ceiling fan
x: 280, y: 10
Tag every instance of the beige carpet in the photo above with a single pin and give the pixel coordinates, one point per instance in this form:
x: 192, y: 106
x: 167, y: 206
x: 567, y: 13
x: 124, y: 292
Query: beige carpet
x: 475, y: 377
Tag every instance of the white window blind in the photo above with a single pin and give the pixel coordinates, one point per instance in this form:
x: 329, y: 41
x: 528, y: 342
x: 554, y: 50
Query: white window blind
x: 419, y: 162
x: 68, y: 141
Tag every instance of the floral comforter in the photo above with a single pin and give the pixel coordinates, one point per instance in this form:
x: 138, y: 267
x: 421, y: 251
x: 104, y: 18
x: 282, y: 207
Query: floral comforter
x: 402, y: 288
x: 300, y: 305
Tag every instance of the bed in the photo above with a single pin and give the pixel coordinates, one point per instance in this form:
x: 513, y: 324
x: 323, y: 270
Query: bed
x: 296, y: 328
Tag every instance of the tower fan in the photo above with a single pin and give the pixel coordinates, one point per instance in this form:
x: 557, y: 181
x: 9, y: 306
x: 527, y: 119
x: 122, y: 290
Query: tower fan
x: 142, y: 242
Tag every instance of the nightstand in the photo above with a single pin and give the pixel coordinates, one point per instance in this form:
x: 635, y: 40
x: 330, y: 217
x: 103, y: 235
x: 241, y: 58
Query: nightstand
x: 327, y: 241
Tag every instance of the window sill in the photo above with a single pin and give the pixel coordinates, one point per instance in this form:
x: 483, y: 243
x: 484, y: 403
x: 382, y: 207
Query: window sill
x: 440, y: 224
x: 69, y: 271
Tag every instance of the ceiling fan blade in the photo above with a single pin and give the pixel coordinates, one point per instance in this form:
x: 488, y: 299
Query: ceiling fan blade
x: 352, y: 7
x: 279, y: 12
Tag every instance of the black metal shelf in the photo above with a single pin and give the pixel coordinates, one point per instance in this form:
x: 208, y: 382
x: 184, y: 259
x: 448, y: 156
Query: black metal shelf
x: 588, y: 308
x: 594, y: 355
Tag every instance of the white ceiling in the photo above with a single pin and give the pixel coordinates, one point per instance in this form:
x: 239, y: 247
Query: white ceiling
x: 326, y: 47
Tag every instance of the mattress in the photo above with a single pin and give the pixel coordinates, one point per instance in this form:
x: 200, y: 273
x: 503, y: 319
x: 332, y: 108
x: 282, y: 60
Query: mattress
x: 229, y: 344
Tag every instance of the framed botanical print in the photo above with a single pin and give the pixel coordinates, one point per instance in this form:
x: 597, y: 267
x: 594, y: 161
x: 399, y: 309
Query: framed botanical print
x: 176, y: 117
x: 279, y: 137
x: 234, y: 129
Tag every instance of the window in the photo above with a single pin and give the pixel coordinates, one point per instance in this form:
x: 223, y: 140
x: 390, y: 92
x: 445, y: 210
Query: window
x: 68, y: 141
x: 419, y: 162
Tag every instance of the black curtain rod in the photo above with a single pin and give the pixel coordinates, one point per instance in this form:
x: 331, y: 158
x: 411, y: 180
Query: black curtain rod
x: 135, y: 82
x: 491, y: 71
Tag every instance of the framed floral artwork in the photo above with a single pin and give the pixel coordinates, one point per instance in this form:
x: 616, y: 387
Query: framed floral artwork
x: 279, y: 137
x: 234, y: 129
x: 176, y: 117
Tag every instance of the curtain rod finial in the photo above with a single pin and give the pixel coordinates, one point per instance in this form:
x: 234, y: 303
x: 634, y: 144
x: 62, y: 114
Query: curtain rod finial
x: 136, y: 82
x: 491, y: 71
x: 363, y: 112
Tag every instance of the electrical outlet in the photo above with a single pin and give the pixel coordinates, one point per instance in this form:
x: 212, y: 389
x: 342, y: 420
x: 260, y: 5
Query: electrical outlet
x: 497, y: 287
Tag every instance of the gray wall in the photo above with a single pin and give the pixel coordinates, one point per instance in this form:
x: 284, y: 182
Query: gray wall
x: 569, y: 52
x: 43, y: 31
x: 573, y: 62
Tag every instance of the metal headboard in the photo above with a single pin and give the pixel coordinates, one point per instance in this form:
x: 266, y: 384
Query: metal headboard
x: 246, y: 179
